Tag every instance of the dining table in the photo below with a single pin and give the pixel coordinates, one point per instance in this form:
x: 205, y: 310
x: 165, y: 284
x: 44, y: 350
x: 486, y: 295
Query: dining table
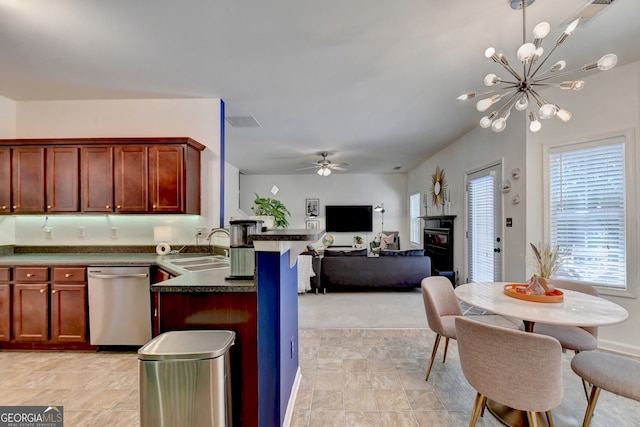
x: 575, y: 309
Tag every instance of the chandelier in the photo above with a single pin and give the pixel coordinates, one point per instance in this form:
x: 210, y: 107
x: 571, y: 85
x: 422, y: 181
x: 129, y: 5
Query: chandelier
x: 520, y: 89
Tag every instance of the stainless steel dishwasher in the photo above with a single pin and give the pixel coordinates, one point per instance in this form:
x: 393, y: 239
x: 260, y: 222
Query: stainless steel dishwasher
x: 119, y: 305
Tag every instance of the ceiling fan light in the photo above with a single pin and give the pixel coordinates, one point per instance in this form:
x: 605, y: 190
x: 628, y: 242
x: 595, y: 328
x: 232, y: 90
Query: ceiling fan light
x: 607, y: 62
x: 547, y: 111
x: 324, y: 171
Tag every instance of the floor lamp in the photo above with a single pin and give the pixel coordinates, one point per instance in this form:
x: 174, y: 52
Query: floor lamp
x: 380, y: 208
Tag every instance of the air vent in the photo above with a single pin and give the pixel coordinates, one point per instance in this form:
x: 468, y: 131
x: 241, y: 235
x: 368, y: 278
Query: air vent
x: 397, y: 168
x: 243, y: 122
x: 588, y: 12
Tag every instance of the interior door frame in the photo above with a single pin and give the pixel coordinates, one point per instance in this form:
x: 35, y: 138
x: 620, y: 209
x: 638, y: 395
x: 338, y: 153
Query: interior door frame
x: 499, y: 205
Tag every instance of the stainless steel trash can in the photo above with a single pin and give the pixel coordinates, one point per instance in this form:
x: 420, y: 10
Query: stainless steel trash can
x: 185, y: 379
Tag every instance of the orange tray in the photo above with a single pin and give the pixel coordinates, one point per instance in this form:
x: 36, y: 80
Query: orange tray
x: 511, y: 290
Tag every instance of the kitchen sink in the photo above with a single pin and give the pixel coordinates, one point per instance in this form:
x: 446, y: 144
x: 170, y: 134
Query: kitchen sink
x: 212, y: 262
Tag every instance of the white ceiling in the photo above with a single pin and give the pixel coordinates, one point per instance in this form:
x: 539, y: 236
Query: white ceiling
x: 373, y: 82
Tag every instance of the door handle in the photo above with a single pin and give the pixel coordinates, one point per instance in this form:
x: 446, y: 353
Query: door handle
x: 497, y: 250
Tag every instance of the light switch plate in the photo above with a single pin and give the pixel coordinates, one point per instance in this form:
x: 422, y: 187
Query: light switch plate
x: 81, y: 232
x: 48, y: 233
x: 114, y: 232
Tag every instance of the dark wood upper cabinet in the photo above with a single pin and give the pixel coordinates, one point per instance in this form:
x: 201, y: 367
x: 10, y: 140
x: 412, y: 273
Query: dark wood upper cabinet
x: 131, y: 186
x: 100, y: 175
x: 97, y: 179
x: 166, y: 179
x: 27, y: 184
x: 63, y: 179
x: 5, y: 180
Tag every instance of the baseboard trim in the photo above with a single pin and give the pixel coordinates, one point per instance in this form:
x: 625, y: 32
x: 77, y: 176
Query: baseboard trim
x: 292, y: 399
x: 617, y: 347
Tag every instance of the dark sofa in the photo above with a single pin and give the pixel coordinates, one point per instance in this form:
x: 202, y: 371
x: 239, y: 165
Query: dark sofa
x: 390, y: 270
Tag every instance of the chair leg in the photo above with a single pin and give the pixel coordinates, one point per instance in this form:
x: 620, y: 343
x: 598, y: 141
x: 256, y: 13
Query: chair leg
x: 533, y: 420
x: 446, y: 346
x: 593, y: 399
x: 433, y: 355
x: 477, y: 406
x: 549, y: 418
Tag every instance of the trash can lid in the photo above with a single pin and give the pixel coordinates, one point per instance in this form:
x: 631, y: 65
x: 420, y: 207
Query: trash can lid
x: 187, y: 345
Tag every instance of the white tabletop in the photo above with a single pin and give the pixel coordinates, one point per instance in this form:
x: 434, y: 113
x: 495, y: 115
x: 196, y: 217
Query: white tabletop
x: 576, y: 309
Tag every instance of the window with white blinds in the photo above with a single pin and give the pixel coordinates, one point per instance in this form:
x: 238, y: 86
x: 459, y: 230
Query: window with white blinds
x: 481, y: 223
x: 587, y: 211
x: 414, y: 212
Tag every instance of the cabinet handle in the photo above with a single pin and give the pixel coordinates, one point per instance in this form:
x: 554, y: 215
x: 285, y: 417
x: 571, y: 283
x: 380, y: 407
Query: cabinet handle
x: 54, y: 291
x: 118, y: 207
x: 48, y: 206
x: 30, y: 274
x: 108, y: 206
x: 68, y: 275
x: 4, y: 207
x: 42, y: 291
x: 15, y: 207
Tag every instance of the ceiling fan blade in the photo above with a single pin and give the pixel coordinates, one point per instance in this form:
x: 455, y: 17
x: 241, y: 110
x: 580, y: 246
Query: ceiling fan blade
x: 308, y: 167
x: 338, y: 168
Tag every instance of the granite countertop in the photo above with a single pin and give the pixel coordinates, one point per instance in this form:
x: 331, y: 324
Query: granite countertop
x: 199, y: 281
x: 288, y: 235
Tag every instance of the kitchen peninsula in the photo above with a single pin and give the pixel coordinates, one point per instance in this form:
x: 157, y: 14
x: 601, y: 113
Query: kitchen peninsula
x: 264, y: 315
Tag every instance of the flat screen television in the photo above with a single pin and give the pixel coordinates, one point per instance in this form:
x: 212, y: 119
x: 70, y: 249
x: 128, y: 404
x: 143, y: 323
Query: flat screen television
x: 349, y: 218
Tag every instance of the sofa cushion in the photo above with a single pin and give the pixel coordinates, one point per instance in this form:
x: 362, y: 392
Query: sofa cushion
x: 355, y: 252
x: 407, y: 252
x: 387, y: 241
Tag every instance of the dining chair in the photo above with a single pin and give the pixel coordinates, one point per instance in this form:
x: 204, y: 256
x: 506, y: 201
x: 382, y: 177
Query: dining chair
x: 514, y: 368
x: 442, y: 307
x: 575, y: 338
x: 617, y: 374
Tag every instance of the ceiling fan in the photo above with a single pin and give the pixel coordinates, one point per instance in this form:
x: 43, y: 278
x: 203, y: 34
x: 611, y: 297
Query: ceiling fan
x: 325, y: 166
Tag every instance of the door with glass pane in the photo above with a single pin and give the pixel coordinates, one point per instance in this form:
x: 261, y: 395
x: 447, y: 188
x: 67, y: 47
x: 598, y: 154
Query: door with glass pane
x: 484, y: 216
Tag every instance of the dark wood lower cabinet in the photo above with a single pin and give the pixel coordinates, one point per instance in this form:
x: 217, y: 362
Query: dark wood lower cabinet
x: 236, y: 312
x: 5, y: 312
x: 31, y: 312
x: 68, y: 313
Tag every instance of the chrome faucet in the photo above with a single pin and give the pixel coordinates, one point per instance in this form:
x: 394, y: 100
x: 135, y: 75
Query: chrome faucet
x: 218, y: 230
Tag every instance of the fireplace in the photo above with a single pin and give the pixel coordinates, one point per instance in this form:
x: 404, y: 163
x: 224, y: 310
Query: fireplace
x: 438, y: 245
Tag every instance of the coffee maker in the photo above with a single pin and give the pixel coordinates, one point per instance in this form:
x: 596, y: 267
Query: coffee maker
x: 241, y: 251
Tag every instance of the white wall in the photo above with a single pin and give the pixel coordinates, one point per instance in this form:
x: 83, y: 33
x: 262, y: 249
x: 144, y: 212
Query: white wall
x: 7, y: 131
x: 336, y: 189
x: 195, y: 118
x: 475, y: 150
x: 609, y: 105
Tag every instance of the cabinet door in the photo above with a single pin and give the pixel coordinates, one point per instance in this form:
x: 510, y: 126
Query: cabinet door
x: 30, y: 312
x: 68, y: 312
x: 131, y: 179
x: 5, y: 180
x: 28, y: 179
x: 97, y: 179
x: 63, y: 185
x: 5, y: 312
x: 166, y: 182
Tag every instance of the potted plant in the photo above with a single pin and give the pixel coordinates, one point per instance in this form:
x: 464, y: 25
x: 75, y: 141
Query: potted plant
x: 268, y: 207
x: 358, y: 241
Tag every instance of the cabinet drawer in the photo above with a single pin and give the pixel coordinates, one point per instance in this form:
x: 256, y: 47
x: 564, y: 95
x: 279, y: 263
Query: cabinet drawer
x: 5, y: 274
x: 69, y: 274
x: 31, y: 274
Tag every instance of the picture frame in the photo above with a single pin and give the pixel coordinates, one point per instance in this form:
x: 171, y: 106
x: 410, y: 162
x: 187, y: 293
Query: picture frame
x: 312, y: 208
x: 312, y: 224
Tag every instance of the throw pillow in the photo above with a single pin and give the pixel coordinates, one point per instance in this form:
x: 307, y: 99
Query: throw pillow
x: 407, y: 252
x: 386, y: 240
x: 357, y: 252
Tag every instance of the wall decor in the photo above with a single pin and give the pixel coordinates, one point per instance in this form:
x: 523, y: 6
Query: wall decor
x: 312, y: 207
x: 312, y: 224
x: 515, y: 174
x: 438, y: 186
